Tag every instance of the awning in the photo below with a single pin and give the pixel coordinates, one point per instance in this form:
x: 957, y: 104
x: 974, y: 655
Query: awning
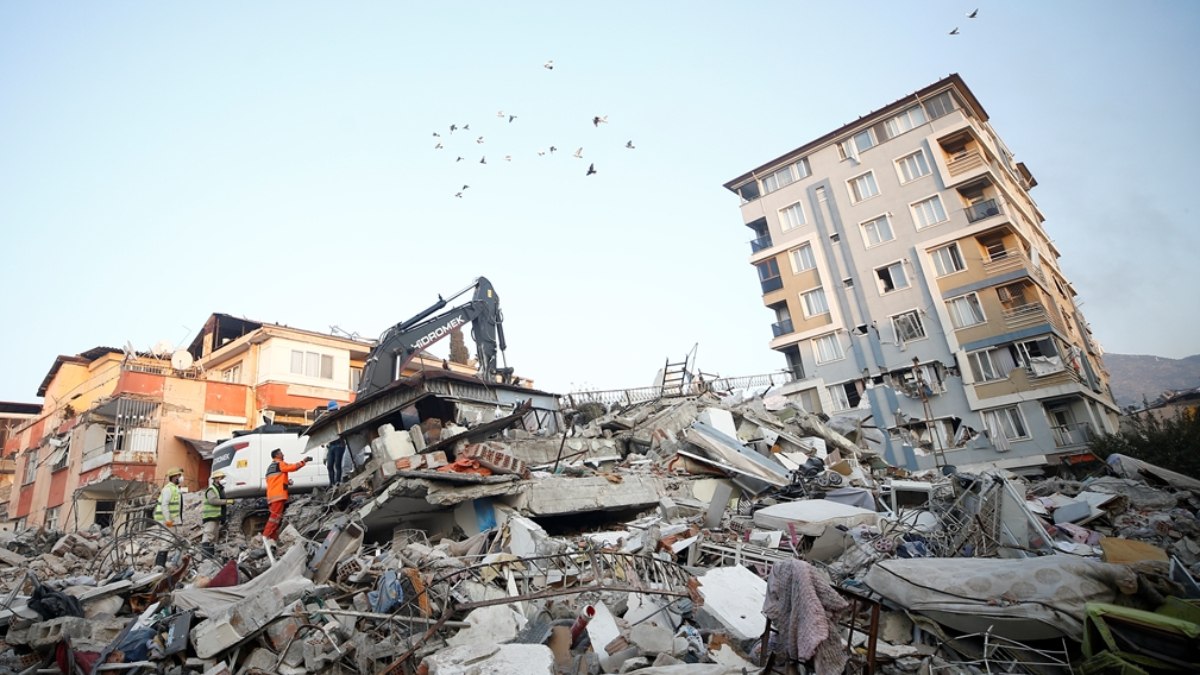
x: 202, y: 448
x: 115, y: 488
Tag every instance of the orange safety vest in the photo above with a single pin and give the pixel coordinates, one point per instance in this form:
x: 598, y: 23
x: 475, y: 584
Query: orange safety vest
x: 277, y: 479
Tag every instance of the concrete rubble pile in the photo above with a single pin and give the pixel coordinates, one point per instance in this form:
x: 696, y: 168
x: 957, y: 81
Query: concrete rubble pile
x: 713, y: 534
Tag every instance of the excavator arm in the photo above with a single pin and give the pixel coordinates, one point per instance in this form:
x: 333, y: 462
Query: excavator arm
x: 401, y: 343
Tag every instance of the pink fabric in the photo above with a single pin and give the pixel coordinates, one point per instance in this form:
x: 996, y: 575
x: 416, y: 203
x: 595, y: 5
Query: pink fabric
x: 804, y: 608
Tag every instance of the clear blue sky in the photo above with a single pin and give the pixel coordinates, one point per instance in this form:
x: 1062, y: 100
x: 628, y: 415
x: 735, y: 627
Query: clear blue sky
x: 275, y: 160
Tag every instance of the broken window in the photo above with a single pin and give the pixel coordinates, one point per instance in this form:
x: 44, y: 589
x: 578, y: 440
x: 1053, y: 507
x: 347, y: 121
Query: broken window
x: 105, y: 510
x: 908, y: 326
x: 50, y: 522
x: 892, y: 277
x: 846, y: 396
x: 990, y: 365
x: 965, y: 310
x: 1005, y: 423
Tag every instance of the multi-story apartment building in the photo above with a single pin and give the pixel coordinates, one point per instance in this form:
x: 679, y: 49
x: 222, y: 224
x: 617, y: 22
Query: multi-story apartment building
x: 911, y: 278
x: 114, y: 421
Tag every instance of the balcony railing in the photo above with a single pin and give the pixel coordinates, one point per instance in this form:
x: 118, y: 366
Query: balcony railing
x: 782, y: 327
x: 1004, y: 261
x: 1031, y: 314
x: 772, y: 284
x: 981, y: 210
x: 964, y: 162
x: 1070, y: 435
x: 760, y: 244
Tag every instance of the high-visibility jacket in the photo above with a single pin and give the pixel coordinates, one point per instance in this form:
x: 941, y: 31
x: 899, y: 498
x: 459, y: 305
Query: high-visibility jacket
x: 173, y: 498
x: 214, y: 504
x: 277, y: 479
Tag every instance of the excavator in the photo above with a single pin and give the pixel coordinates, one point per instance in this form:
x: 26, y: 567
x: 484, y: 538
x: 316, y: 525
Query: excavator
x: 401, y: 343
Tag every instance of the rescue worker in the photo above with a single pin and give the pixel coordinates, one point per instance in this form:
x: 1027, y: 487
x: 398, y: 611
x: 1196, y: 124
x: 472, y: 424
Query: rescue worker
x: 169, y: 509
x: 277, y: 490
x: 335, y: 453
x: 213, y: 513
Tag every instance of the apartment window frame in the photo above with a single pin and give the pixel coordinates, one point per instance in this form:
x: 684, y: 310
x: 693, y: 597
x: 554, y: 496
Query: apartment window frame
x: 975, y: 306
x: 356, y: 374
x: 865, y: 228
x: 914, y: 209
x: 787, y: 219
x: 892, y: 124
x: 840, y: 396
x: 807, y: 307
x: 780, y: 178
x: 953, y: 256
x: 856, y: 196
x: 882, y: 283
x: 1009, y: 414
x: 915, y: 316
x: 835, y: 345
x: 802, y: 258
x: 940, y: 105
x: 767, y: 269
x: 232, y: 374
x: 902, y: 161
x: 983, y: 366
x: 311, y: 364
x: 31, y: 466
x: 50, y: 520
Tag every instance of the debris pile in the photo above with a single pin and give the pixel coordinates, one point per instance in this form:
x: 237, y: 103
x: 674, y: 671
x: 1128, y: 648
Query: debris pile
x: 711, y: 534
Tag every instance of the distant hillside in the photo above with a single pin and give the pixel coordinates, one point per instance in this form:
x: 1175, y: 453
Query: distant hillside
x: 1135, y: 376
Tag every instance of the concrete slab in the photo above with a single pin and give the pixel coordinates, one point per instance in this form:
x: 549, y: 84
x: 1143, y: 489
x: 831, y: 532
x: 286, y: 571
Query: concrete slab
x: 489, y: 625
x: 491, y: 659
x: 563, y: 496
x: 733, y: 596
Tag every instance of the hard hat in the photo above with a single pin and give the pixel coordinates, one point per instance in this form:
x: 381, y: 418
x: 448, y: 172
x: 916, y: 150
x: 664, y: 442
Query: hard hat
x: 175, y: 472
x: 332, y: 405
x: 217, y: 474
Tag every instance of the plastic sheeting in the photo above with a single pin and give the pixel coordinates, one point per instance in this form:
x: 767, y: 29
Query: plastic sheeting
x: 811, y: 516
x: 1033, y: 598
x: 207, y: 601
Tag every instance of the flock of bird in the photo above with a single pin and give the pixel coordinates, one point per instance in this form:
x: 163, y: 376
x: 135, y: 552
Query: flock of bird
x: 597, y: 120
x: 974, y: 13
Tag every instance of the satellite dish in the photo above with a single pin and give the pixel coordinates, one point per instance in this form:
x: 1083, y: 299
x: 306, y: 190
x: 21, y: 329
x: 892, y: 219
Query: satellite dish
x: 181, y: 359
x: 162, y: 347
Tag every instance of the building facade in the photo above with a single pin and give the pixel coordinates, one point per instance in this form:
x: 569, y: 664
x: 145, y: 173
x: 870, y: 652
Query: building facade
x: 911, y: 279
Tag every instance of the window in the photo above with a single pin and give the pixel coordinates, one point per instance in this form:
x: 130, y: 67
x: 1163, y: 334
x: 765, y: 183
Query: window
x: 892, y: 277
x: 312, y: 364
x: 778, y: 179
x: 827, y: 348
x: 30, y: 467
x: 947, y: 260
x: 940, y: 105
x: 908, y: 326
x: 62, y: 453
x: 355, y: 378
x: 965, y: 311
x: 1005, y: 423
x: 863, y: 187
x: 51, y: 520
x: 905, y: 121
x: 749, y: 191
x: 929, y: 212
x: 767, y: 269
x: 864, y: 140
x: 814, y: 302
x: 991, y: 365
x: 802, y: 259
x: 803, y: 170
x: 877, y: 231
x: 792, y: 217
x: 232, y: 374
x: 106, y: 512
x: 845, y: 396
x: 912, y: 167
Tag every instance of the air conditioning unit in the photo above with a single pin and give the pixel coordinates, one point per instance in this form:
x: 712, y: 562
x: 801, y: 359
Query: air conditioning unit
x: 1004, y: 294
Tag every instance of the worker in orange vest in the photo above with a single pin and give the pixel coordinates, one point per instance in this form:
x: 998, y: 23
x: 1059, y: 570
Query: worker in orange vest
x: 277, y: 490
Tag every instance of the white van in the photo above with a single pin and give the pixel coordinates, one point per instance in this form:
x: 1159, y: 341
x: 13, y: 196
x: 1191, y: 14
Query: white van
x: 245, y: 457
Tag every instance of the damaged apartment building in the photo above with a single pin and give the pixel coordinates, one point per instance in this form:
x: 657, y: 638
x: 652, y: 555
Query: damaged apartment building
x: 912, y: 279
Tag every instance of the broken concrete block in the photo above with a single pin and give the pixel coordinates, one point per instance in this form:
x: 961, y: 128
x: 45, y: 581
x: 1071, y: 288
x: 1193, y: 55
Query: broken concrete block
x: 109, y: 606
x: 635, y: 664
x: 495, y: 457
x: 49, y: 633
x: 260, y: 660
x: 733, y: 598
x: 280, y: 633
x: 243, y: 618
x: 489, y: 625
x: 668, y: 509
x: 562, y: 496
x: 491, y: 659
x: 1072, y: 512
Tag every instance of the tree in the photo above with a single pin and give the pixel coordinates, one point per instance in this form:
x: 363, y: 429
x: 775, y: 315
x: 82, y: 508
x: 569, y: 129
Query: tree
x: 1172, y: 442
x: 458, y: 348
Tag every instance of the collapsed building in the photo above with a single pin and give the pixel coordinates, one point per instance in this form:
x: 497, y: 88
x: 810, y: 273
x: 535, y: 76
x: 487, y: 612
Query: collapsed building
x: 714, y: 530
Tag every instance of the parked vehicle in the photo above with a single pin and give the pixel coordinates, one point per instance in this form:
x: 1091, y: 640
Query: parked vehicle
x: 245, y: 457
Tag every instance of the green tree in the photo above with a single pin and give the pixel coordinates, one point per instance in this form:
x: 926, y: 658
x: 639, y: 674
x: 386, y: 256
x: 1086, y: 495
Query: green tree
x: 1169, y: 441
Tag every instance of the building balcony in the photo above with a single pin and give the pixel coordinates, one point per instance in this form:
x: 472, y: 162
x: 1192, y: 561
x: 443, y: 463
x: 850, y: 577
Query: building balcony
x: 1074, y: 435
x: 8, y: 466
x: 772, y: 284
x: 982, y: 210
x: 782, y: 327
x: 1031, y: 314
x: 1006, y: 261
x: 761, y: 244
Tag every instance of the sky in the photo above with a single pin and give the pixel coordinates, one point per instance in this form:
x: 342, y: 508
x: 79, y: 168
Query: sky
x: 276, y: 160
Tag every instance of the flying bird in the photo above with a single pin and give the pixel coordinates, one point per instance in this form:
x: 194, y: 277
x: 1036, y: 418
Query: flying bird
x: 549, y: 65
x: 467, y: 127
x: 511, y: 118
x: 479, y: 140
x: 591, y: 169
x: 453, y: 128
x: 553, y: 149
x: 438, y: 146
x: 459, y: 159
x: 973, y: 14
x: 483, y: 160
x: 458, y: 194
x: 508, y: 158
x: 629, y: 144
x: 541, y: 153
x: 579, y: 154
x: 437, y: 135
x: 466, y: 186
x: 599, y: 119
x: 955, y: 31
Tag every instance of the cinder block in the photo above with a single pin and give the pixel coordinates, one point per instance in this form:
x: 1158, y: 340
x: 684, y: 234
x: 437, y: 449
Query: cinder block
x: 281, y: 632
x: 50, y: 633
